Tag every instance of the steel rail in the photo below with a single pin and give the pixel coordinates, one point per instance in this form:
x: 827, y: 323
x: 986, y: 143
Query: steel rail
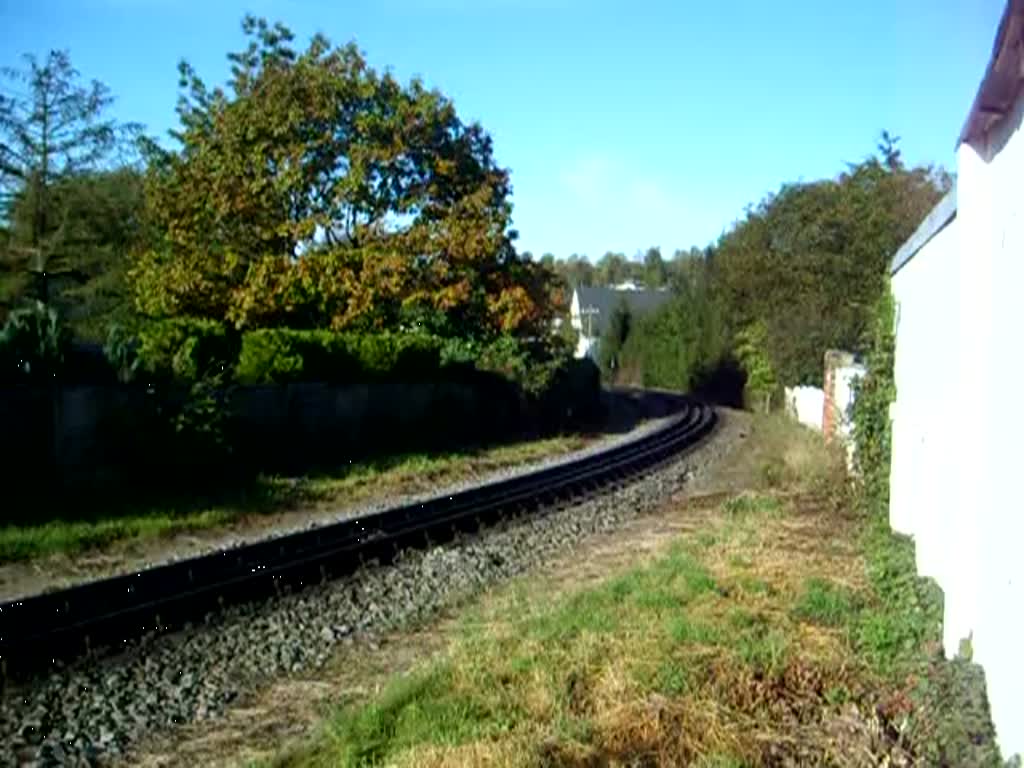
x: 97, y: 617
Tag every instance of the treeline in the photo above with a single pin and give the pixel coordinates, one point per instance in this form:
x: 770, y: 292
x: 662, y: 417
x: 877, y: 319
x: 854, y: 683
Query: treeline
x: 799, y: 274
x: 647, y: 268
x: 310, y: 192
x: 314, y: 222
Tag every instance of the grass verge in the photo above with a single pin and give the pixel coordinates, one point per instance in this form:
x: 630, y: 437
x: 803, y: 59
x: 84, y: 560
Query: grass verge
x: 783, y: 629
x: 84, y: 529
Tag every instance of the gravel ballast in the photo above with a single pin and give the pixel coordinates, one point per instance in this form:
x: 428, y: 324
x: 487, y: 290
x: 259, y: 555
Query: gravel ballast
x: 92, y: 713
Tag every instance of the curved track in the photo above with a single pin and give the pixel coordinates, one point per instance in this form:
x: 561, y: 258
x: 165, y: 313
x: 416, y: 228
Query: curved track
x: 95, y: 617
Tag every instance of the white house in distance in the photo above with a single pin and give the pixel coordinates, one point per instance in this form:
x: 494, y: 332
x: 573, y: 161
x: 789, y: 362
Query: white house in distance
x: 958, y: 419
x: 591, y: 308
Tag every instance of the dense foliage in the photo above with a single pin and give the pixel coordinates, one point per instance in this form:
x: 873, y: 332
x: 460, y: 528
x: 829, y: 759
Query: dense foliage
x: 71, y: 208
x: 647, y: 268
x: 315, y: 192
x: 810, y: 261
x: 184, y: 350
x: 679, y: 343
x: 751, y: 351
x: 614, y: 338
x: 800, y: 274
x: 872, y: 429
x: 282, y: 355
x: 312, y: 199
x: 33, y: 346
x: 316, y: 220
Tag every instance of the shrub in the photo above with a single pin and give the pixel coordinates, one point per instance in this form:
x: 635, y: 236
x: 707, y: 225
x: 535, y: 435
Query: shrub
x: 507, y: 356
x: 532, y: 364
x: 186, y: 349
x: 389, y: 356
x: 270, y: 357
x: 282, y: 355
x: 614, y: 337
x: 752, y: 352
x: 121, y: 351
x: 872, y: 396
x: 200, y: 426
x: 457, y: 351
x: 418, y: 356
x: 33, y: 345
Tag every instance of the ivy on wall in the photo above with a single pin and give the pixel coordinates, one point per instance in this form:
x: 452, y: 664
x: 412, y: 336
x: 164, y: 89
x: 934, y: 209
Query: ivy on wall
x: 872, y: 431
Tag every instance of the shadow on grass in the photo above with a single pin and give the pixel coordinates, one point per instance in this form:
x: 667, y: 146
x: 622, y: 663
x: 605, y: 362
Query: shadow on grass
x: 167, y: 496
x: 55, y: 521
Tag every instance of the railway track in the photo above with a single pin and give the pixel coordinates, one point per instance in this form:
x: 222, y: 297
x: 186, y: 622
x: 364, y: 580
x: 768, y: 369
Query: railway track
x: 104, y: 616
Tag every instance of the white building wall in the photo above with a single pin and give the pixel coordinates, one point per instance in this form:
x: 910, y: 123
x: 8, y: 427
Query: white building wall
x: 958, y: 421
x: 922, y: 497
x: 997, y: 512
x: 576, y: 321
x: 806, y: 405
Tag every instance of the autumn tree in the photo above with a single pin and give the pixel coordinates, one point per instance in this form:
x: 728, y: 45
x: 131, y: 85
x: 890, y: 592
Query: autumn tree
x: 313, y: 191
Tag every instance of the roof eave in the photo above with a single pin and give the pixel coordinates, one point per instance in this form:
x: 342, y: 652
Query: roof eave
x: 1003, y: 78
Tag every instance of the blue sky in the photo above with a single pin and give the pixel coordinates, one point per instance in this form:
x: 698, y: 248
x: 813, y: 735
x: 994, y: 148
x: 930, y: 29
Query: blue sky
x: 625, y: 124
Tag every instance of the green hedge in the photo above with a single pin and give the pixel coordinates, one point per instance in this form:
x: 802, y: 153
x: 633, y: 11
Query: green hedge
x: 872, y: 431
x: 186, y: 349
x: 181, y: 353
x: 278, y: 356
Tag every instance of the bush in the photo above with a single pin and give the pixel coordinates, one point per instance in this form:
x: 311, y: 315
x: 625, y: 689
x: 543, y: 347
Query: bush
x: 280, y: 356
x: 506, y: 356
x: 532, y: 364
x: 417, y: 356
x: 121, y: 351
x: 387, y: 356
x: 614, y: 337
x: 872, y: 396
x: 33, y: 345
x: 186, y: 349
x: 457, y: 351
x: 681, y: 342
x: 751, y: 350
x: 563, y: 391
x: 270, y: 357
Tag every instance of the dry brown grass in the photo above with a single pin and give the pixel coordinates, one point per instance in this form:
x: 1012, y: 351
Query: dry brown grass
x: 694, y: 659
x: 736, y: 629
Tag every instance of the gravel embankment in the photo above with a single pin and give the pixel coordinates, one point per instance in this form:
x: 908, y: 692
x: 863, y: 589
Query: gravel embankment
x: 93, y: 713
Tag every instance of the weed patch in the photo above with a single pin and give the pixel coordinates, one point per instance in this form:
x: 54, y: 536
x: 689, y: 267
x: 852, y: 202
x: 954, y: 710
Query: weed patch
x: 779, y: 633
x: 826, y: 603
